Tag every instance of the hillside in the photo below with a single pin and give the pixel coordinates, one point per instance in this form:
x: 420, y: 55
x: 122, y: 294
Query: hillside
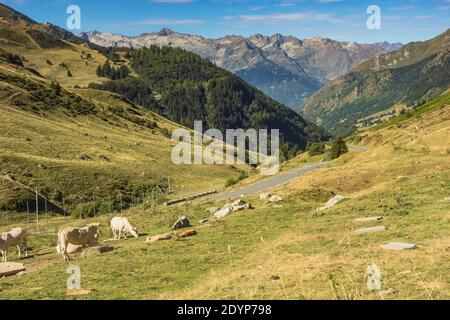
x: 287, y: 250
x: 85, y: 147
x: 284, y: 67
x: 410, y: 76
x: 191, y: 88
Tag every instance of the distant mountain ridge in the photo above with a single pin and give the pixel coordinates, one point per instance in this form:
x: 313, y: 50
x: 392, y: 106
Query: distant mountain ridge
x: 284, y: 67
x: 178, y: 84
x: 411, y: 75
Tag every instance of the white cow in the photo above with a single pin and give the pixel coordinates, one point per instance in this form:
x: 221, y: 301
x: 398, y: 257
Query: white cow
x: 86, y: 237
x: 121, y: 225
x: 15, y: 237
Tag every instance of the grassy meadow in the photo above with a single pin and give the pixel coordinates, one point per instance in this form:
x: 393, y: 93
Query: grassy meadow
x: 404, y: 177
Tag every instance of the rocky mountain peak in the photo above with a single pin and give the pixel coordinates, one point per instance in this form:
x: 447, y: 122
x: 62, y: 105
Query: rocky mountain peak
x: 166, y: 32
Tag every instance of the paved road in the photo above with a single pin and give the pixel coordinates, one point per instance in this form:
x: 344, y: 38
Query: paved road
x: 357, y: 149
x: 269, y: 183
x: 277, y: 181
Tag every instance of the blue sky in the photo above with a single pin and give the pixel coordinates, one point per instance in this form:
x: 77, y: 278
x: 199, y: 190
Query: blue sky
x: 404, y: 20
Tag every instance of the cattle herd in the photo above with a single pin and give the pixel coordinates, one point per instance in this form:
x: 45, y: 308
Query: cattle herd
x: 81, y: 237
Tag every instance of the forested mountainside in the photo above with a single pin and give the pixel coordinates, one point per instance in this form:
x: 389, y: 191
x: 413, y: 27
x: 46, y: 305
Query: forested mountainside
x: 185, y: 87
x: 409, y: 76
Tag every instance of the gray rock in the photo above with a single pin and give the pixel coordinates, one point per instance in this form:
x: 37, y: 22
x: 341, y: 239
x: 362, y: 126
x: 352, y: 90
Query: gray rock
x: 399, y: 246
x: 182, y: 222
x: 369, y: 219
x: 275, y: 199
x: 10, y: 268
x: 370, y: 230
x: 332, y: 202
x: 226, y: 210
x: 265, y: 196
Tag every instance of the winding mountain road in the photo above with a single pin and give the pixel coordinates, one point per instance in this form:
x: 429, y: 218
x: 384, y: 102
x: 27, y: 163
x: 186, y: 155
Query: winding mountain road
x: 277, y: 181
x: 270, y: 182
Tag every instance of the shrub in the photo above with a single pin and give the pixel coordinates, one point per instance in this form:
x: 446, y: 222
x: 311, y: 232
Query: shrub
x: 232, y: 181
x: 338, y: 148
x: 90, y: 209
x: 315, y: 148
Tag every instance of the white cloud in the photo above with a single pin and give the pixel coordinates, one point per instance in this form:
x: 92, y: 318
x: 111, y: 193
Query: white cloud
x: 286, y: 17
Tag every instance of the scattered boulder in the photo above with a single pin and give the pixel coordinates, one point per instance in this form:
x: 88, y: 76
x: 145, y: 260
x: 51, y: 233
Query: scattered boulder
x: 275, y: 278
x: 42, y: 166
x: 238, y: 205
x: 91, y: 251
x: 265, y: 196
x: 370, y: 230
x: 275, y: 199
x: 161, y: 237
x: 226, y: 210
x: 10, y: 268
x: 188, y: 234
x: 332, y: 202
x: 369, y: 219
x: 22, y: 273
x: 269, y: 197
x: 398, y: 246
x: 182, y: 222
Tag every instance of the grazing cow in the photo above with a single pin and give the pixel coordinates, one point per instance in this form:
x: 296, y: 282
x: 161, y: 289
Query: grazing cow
x: 86, y: 237
x: 15, y: 237
x: 121, y: 224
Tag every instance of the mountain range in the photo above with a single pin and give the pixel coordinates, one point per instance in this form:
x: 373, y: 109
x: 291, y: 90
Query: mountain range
x: 383, y: 86
x: 177, y: 84
x: 284, y: 67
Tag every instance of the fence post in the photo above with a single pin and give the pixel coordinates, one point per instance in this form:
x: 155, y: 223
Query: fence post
x: 37, y: 211
x: 64, y: 207
x: 46, y: 210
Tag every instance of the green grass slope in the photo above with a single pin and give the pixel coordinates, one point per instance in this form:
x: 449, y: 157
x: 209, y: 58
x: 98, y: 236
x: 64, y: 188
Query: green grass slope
x: 85, y: 144
x: 315, y: 256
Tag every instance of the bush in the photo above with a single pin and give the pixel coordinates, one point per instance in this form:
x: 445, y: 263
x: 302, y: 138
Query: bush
x: 90, y: 209
x: 315, y: 148
x: 338, y: 148
x: 232, y: 181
